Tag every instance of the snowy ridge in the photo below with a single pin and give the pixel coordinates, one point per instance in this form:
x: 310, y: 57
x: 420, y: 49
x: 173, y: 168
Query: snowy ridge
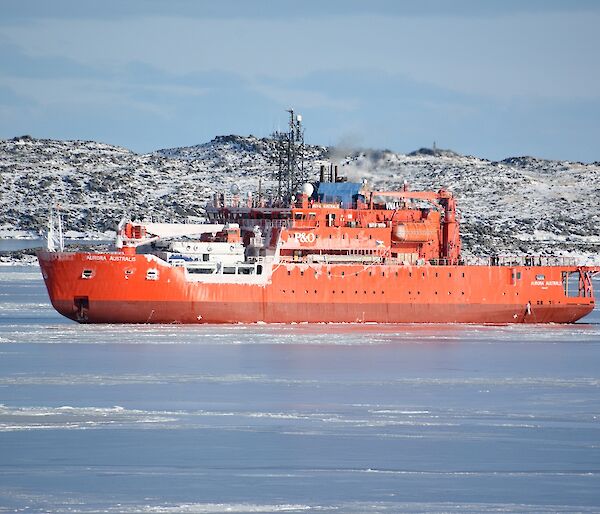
x: 515, y: 206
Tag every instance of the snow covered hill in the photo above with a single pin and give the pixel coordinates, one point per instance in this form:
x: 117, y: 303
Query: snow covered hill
x: 518, y: 205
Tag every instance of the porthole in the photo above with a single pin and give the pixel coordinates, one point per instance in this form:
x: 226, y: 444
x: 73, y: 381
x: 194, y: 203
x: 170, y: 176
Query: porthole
x: 152, y: 274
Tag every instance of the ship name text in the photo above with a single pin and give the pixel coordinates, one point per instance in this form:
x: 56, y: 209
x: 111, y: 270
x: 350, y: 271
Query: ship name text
x: 111, y: 258
x: 546, y: 283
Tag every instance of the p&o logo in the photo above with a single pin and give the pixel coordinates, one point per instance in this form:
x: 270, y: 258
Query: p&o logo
x: 305, y: 237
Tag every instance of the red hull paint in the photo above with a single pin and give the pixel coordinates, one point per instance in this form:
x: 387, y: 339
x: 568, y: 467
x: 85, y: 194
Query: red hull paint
x: 119, y: 292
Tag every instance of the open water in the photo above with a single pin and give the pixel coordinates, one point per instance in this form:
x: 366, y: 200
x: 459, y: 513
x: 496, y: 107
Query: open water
x: 301, y: 418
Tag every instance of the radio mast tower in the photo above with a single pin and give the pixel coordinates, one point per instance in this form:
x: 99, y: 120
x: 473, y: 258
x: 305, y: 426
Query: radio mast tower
x: 290, y: 158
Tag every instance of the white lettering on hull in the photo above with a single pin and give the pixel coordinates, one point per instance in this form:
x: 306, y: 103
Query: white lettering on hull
x: 112, y: 258
x: 304, y: 237
x: 546, y: 283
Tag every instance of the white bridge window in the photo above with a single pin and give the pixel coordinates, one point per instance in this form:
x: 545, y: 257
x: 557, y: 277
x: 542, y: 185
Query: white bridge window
x: 152, y: 274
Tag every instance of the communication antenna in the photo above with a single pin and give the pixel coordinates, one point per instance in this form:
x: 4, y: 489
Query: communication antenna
x: 290, y: 158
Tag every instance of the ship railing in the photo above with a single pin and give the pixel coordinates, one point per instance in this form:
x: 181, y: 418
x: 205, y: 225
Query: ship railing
x: 508, y: 261
x: 305, y: 224
x: 514, y: 260
x: 264, y: 223
x: 335, y: 259
x: 266, y: 261
x: 261, y: 259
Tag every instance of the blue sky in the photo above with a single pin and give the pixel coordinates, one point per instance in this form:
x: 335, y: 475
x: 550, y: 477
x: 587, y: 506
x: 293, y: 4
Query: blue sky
x: 492, y: 79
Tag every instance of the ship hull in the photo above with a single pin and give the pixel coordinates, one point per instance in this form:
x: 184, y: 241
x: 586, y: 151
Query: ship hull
x: 120, y: 290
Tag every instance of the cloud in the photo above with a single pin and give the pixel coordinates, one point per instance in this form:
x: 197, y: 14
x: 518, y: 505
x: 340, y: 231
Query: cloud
x: 541, y: 54
x: 494, y: 80
x: 304, y: 98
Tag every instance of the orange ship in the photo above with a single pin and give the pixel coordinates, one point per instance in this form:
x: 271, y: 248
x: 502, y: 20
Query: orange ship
x: 336, y: 253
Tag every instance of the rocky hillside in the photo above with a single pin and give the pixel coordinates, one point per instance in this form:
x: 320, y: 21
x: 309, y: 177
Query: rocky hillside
x: 518, y: 205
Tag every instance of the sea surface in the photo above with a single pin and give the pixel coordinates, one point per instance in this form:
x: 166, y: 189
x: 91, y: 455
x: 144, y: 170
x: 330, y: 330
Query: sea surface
x: 297, y: 418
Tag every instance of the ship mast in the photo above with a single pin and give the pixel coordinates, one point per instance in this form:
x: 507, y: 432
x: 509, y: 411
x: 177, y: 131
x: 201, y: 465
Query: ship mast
x: 54, y: 235
x: 290, y: 159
